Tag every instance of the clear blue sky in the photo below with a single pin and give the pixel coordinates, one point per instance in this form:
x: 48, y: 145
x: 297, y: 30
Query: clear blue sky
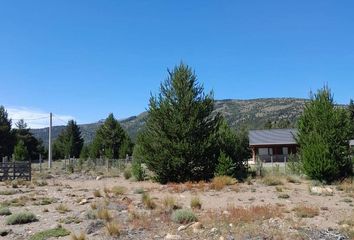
x: 88, y: 58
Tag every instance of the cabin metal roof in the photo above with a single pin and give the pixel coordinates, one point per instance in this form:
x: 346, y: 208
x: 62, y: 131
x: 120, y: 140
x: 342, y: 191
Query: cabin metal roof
x: 272, y: 137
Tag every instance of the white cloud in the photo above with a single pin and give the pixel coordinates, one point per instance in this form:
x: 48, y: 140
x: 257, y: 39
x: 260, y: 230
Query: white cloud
x: 35, y: 118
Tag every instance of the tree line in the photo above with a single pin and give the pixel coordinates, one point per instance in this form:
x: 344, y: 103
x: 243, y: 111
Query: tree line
x: 185, y: 140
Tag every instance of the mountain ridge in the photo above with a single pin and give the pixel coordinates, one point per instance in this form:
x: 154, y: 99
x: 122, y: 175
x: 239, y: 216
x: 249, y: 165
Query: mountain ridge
x: 239, y: 113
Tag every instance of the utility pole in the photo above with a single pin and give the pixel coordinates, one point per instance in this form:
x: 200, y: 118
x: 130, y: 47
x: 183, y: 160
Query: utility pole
x: 50, y: 142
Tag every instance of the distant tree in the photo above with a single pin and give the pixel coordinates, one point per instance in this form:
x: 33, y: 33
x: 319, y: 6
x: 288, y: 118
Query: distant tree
x: 351, y: 118
x: 179, y: 142
x: 268, y: 125
x: 20, y: 152
x: 225, y: 167
x: 323, y: 133
x: 283, y: 123
x: 69, y: 142
x: 234, y: 146
x: 85, y: 152
x: 32, y: 144
x: 111, y: 140
x: 7, y: 140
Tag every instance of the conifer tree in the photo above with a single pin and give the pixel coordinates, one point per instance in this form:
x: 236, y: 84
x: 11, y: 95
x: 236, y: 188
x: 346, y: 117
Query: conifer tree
x: 323, y: 138
x: 6, y: 136
x: 20, y: 152
x: 351, y: 118
x: 111, y: 140
x: 179, y: 142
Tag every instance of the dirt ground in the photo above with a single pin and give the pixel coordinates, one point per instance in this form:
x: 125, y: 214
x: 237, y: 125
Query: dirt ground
x: 249, y: 210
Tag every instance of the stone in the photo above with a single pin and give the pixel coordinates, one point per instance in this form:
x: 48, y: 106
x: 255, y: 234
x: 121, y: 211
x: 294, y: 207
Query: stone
x: 83, y: 201
x: 197, y: 225
x: 99, y: 178
x: 182, y: 227
x: 213, y: 230
x: 172, y: 237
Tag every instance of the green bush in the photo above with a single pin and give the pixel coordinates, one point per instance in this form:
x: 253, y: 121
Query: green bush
x: 46, y: 234
x: 183, y: 216
x: 138, y: 171
x: 293, y: 164
x: 225, y: 166
x: 127, y: 173
x: 4, y: 211
x: 21, y: 218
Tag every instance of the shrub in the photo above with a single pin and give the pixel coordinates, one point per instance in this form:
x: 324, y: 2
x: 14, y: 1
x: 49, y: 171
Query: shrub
x: 139, y: 191
x: 137, y: 170
x: 196, y: 203
x: 46, y: 234
x: 225, y: 166
x: 8, y: 192
x: 21, y: 218
x: 5, y: 211
x: 127, y: 173
x: 252, y: 214
x: 220, y: 182
x: 148, y: 201
x: 183, y: 216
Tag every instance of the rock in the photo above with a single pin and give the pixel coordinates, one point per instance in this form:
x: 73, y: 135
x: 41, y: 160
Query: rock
x: 172, y: 237
x: 83, y: 201
x: 226, y: 212
x: 197, y: 225
x: 94, y: 226
x: 321, y: 190
x: 213, y: 230
x: 221, y: 238
x: 182, y: 227
x: 5, y: 232
x: 99, y: 178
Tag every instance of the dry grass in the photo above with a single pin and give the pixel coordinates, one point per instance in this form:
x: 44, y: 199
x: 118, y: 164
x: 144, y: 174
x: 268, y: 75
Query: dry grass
x: 254, y: 213
x: 113, y: 229
x: 196, y: 203
x: 62, y: 208
x: 81, y: 236
x: 219, y: 182
x: 93, y: 206
x: 272, y: 181
x: 104, y: 214
x: 148, y: 201
x: 348, y: 226
x: 169, y: 202
x: 118, y: 190
x: 97, y: 193
x: 303, y: 211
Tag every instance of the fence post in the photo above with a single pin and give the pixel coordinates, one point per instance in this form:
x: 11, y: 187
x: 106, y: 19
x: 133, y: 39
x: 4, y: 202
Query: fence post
x: 285, y: 164
x: 14, y: 169
x: 271, y: 159
x: 30, y: 170
x: 40, y: 163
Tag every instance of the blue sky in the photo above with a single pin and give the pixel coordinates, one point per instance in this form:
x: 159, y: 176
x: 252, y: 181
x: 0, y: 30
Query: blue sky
x: 85, y: 59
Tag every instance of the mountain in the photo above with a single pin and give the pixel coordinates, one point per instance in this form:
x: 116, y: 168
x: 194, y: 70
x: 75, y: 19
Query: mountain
x: 251, y: 114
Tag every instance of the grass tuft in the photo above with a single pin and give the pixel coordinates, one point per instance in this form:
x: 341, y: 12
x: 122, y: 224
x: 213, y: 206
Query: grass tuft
x: 303, y: 211
x: 113, y: 229
x: 81, y: 236
x: 62, y: 208
x: 118, y: 190
x: 21, y: 218
x: 219, y: 182
x: 183, y: 216
x: 5, y: 211
x: 196, y: 203
x: 272, y: 181
x: 148, y: 201
x: 46, y: 234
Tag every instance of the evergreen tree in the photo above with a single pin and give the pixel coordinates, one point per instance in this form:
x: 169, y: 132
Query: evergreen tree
x: 179, y: 142
x: 351, y: 118
x: 111, y: 140
x: 69, y: 142
x: 6, y: 136
x: 20, y: 152
x: 234, y: 145
x: 225, y: 167
x: 32, y: 144
x: 268, y: 125
x: 323, y: 138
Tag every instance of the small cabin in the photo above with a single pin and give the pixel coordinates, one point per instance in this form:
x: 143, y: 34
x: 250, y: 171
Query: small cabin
x: 272, y: 145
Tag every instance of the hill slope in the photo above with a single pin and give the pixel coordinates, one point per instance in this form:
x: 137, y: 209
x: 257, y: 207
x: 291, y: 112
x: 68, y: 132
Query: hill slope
x: 253, y: 114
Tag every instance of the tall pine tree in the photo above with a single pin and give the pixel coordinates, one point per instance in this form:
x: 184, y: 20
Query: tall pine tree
x: 323, y: 138
x: 111, y: 140
x: 7, y: 139
x: 179, y: 142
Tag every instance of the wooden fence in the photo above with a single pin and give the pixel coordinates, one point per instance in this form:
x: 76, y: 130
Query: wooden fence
x: 13, y: 170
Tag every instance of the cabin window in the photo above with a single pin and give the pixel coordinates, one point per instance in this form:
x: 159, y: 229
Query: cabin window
x: 285, y: 151
x: 262, y: 151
